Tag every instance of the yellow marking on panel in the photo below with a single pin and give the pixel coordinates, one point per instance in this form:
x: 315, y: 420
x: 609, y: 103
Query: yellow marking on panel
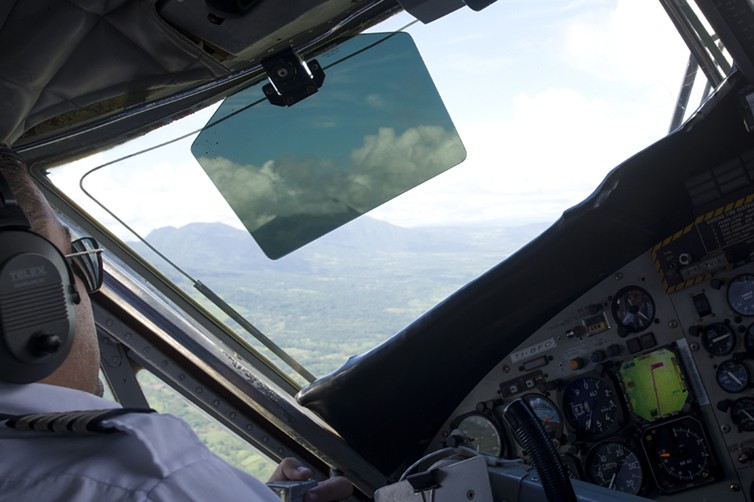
x: 677, y: 234
x: 728, y: 207
x: 699, y: 220
x: 749, y: 198
x: 688, y: 229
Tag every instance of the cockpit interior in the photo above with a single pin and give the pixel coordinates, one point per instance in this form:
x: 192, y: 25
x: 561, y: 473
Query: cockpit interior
x: 357, y: 232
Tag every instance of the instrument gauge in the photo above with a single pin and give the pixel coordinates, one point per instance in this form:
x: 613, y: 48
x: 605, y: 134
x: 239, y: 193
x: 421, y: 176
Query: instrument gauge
x: 718, y: 339
x: 741, y: 294
x: 742, y: 414
x: 547, y: 412
x: 483, y: 432
x: 733, y: 376
x: 633, y: 309
x: 680, y: 455
x: 591, y: 406
x: 616, y: 466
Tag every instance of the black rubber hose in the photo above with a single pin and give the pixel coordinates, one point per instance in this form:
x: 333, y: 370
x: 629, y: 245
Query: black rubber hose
x: 529, y: 430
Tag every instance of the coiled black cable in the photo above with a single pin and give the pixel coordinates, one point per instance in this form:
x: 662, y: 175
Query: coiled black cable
x: 529, y: 430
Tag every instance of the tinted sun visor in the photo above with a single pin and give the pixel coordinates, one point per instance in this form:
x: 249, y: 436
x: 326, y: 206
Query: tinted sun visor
x: 376, y: 128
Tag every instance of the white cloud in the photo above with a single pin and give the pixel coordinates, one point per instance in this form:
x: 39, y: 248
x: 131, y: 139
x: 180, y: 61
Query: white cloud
x: 147, y: 192
x: 385, y: 164
x: 550, y: 153
x: 634, y: 44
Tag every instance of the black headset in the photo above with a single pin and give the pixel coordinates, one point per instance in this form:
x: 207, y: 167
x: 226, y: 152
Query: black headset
x: 37, y: 298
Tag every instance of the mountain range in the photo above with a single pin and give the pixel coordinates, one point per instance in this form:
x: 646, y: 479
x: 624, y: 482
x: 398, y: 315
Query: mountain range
x: 217, y: 247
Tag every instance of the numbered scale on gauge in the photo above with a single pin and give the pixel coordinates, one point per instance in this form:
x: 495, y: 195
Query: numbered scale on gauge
x: 741, y: 294
x: 591, y: 406
x: 679, y: 455
x: 633, y: 309
x: 718, y: 339
x: 547, y: 412
x: 733, y: 376
x: 616, y: 466
x: 482, y: 432
x: 742, y: 414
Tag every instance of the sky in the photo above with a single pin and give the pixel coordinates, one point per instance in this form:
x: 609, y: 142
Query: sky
x: 547, y: 98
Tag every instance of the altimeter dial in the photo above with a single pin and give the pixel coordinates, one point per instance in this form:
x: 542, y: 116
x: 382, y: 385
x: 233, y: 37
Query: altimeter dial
x: 591, y: 406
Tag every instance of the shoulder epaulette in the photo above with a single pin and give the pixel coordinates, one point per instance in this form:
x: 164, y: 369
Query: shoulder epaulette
x: 71, y: 422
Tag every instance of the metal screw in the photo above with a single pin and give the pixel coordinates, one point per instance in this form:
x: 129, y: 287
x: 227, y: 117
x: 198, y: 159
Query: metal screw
x: 470, y: 495
x: 506, y: 369
x: 619, y: 276
x: 725, y: 428
x: 673, y: 324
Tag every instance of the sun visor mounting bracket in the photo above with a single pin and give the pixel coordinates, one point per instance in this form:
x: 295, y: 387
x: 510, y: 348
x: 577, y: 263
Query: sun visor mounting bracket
x: 291, y: 79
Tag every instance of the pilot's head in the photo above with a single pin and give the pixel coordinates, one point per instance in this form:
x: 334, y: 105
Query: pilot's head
x: 80, y: 369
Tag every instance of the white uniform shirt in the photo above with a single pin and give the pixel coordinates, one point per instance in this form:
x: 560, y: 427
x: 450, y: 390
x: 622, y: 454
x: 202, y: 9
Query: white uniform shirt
x: 152, y: 458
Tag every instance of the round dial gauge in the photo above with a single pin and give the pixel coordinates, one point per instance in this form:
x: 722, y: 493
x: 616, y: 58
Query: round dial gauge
x: 741, y: 294
x: 718, y: 339
x: 484, y: 434
x: 679, y: 454
x: 633, y: 308
x: 616, y: 466
x: 742, y: 414
x: 733, y: 376
x: 547, y: 412
x: 591, y: 406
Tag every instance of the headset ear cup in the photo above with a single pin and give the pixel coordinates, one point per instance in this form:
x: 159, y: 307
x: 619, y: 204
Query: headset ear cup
x: 37, y: 317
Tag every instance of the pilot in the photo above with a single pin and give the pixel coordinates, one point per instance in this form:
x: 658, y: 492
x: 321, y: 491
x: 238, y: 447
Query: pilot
x: 112, y: 454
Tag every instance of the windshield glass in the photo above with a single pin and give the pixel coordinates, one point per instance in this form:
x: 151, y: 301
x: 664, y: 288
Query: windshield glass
x: 547, y: 98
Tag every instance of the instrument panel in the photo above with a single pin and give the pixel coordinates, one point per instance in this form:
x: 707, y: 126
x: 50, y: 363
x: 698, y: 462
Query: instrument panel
x: 644, y: 384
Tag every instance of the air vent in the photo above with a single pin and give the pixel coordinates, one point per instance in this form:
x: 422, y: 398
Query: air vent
x: 722, y: 180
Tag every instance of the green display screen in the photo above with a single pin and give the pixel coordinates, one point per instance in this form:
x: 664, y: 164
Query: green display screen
x: 654, y: 385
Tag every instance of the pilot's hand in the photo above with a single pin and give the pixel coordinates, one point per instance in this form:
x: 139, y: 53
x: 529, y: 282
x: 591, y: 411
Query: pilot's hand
x: 330, y: 490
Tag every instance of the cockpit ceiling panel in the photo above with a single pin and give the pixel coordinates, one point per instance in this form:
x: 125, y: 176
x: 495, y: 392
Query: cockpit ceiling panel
x: 79, y: 61
x: 75, y: 60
